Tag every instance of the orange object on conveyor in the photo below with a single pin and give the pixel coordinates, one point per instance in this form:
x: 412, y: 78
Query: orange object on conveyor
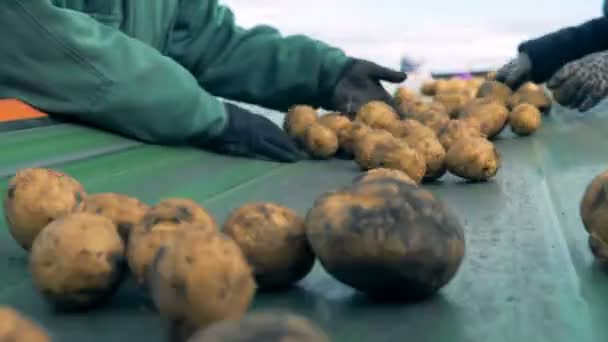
x: 14, y: 110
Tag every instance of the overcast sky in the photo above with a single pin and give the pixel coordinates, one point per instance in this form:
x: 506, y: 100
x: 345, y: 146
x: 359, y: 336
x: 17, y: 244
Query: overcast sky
x: 445, y: 33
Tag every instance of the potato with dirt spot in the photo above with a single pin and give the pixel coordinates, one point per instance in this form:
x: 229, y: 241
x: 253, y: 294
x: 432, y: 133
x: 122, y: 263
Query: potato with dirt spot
x: 320, y: 141
x: 377, y: 114
x: 335, y: 121
x: 266, y: 326
x: 199, y: 279
x: 158, y: 227
x: 429, y: 88
x: 525, y: 119
x: 348, y: 137
x: 273, y: 239
x: 456, y: 130
x: 77, y: 261
x: 453, y: 102
x: 15, y: 327
x: 380, y: 173
x: 492, y: 116
x: 123, y: 210
x: 433, y: 115
x: 37, y: 196
x: 475, y: 159
x: 495, y: 90
x: 298, y: 118
x: 386, y: 238
x: 593, y: 210
x: 366, y: 143
x: 532, y: 94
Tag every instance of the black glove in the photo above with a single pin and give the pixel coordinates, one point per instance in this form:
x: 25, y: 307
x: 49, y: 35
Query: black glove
x: 515, y: 73
x: 360, y: 84
x: 252, y: 135
x: 581, y: 84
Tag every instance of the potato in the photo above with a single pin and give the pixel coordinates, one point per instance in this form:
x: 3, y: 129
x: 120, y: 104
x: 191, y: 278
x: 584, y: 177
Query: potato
x: 409, y: 127
x: 200, y: 279
x: 495, y: 90
x: 349, y: 136
x: 273, y: 239
x: 525, y: 119
x: 404, y: 95
x: 429, y: 87
x: 270, y: 326
x: 452, y: 85
x: 593, y: 211
x: 298, y: 118
x: 491, y: 76
x: 15, y: 327
x: 37, y: 196
x: 492, y: 116
x: 386, y: 238
x: 158, y: 228
x: 456, y: 130
x: 377, y: 114
x: 124, y: 211
x: 364, y: 147
x: 453, y: 102
x: 77, y: 261
x: 320, y: 141
x: 475, y: 159
x: 381, y: 173
x: 532, y: 94
x: 335, y: 121
x: 433, y: 115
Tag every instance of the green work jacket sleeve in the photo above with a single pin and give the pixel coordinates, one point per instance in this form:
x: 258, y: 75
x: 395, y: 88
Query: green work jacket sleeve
x: 65, y: 63
x: 257, y: 65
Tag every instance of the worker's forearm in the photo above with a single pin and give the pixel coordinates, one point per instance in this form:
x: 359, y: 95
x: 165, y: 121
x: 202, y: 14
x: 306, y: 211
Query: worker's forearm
x: 258, y: 65
x: 550, y: 52
x: 65, y: 63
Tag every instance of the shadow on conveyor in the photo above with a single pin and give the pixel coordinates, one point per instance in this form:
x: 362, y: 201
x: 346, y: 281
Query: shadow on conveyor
x: 18, y: 125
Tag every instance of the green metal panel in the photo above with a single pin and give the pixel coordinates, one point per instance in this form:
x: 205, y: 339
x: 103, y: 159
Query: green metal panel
x: 527, y: 275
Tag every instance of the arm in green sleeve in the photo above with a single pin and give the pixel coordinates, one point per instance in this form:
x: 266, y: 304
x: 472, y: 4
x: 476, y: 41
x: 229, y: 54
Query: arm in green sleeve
x: 65, y: 63
x: 257, y: 66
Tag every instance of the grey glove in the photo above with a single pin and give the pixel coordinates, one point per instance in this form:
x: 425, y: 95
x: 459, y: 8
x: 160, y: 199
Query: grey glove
x: 516, y: 72
x: 583, y: 83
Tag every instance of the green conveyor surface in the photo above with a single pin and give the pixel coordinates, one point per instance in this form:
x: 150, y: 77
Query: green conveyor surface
x: 528, y: 274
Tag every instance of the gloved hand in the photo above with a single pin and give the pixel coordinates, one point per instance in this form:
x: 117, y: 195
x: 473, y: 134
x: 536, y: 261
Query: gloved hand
x: 516, y: 72
x: 360, y: 84
x: 583, y: 83
x: 252, y: 135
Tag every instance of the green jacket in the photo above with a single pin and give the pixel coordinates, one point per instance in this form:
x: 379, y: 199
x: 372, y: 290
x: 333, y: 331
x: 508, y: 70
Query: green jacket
x: 153, y: 69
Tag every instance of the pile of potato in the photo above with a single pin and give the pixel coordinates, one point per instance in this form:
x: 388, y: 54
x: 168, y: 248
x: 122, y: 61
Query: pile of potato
x: 201, y: 276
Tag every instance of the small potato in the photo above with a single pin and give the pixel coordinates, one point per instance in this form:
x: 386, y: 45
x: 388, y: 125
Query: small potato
x: 377, y: 114
x: 408, y: 127
x: 452, y: 85
x: 429, y: 88
x: 496, y: 91
x: 37, y: 196
x: 384, y: 173
x: 348, y: 137
x: 298, y: 118
x: 491, y: 115
x: 365, y: 145
x: 77, y: 261
x: 533, y: 94
x: 335, y: 121
x: 453, y: 102
x: 404, y: 95
x: 433, y: 115
x: 124, y: 211
x: 456, y: 130
x: 475, y: 159
x: 320, y: 141
x: 525, y: 119
x: 15, y: 327
x: 273, y: 239
x: 593, y: 211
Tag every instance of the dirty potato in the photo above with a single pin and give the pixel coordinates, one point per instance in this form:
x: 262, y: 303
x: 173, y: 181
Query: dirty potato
x: 433, y: 115
x: 158, y: 228
x: 37, y: 196
x: 404, y: 95
x: 298, y: 118
x: 491, y: 115
x: 386, y: 238
x: 456, y: 130
x: 320, y: 141
x: 200, y: 279
x: 377, y: 114
x: 381, y: 173
x: 14, y: 327
x: 273, y: 239
x: 475, y: 159
x: 453, y: 102
x: 266, y: 326
x: 525, y: 119
x: 495, y: 90
x: 532, y: 94
x: 335, y: 121
x: 593, y: 211
x: 429, y: 87
x: 77, y: 261
x: 123, y: 210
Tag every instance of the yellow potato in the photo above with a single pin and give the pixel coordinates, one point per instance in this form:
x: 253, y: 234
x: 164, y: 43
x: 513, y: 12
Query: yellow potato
x: 320, y: 141
x: 377, y: 114
x: 475, y: 159
x: 298, y: 118
x: 14, y: 327
x: 525, y: 119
